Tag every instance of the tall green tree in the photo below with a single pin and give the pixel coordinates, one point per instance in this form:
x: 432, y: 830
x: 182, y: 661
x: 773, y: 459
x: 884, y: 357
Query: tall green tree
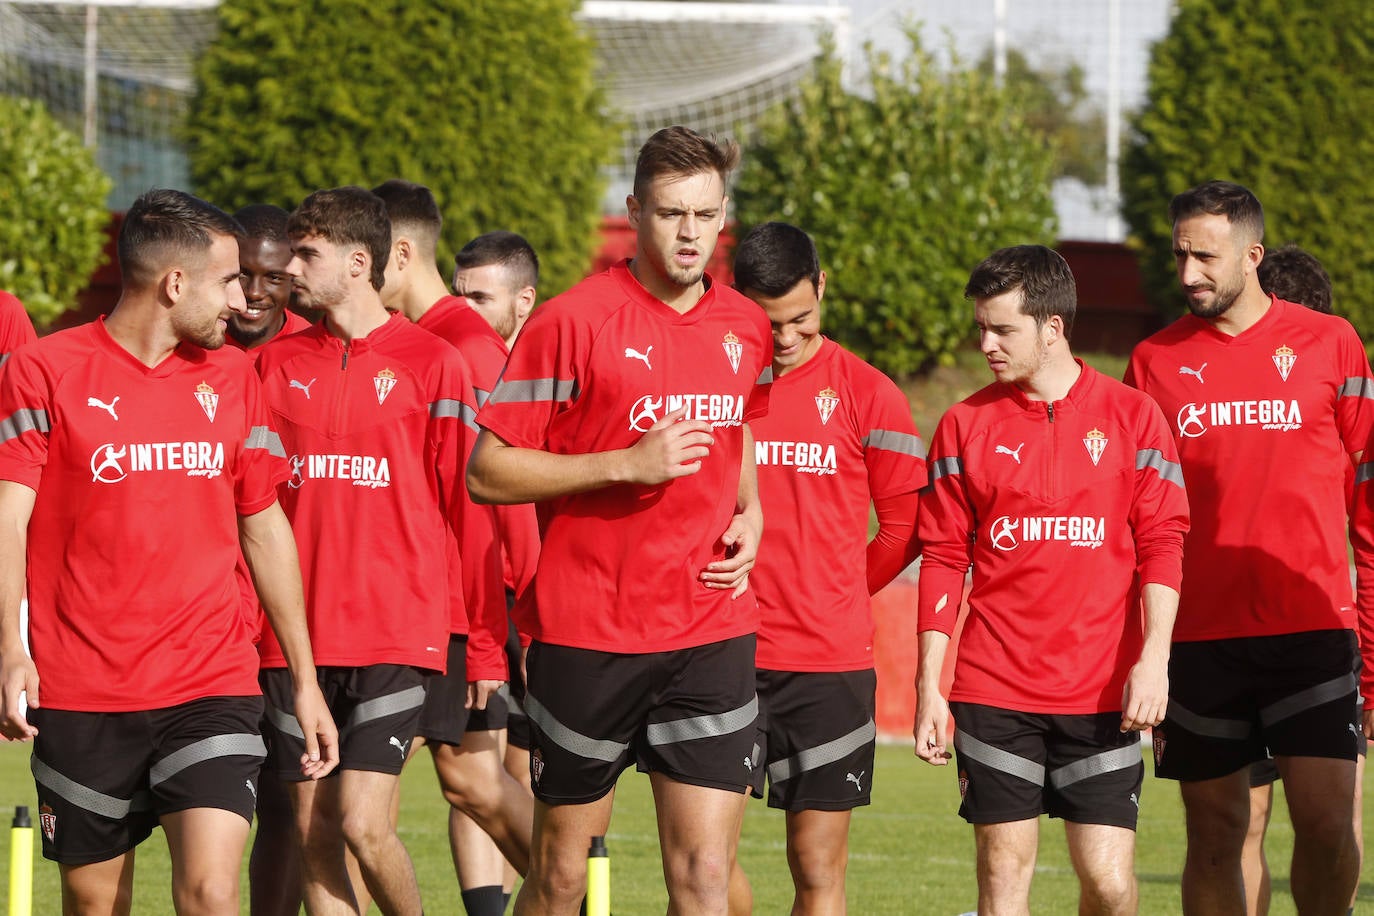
x: 1275, y: 95
x: 491, y: 103
x: 52, y: 210
x: 905, y: 183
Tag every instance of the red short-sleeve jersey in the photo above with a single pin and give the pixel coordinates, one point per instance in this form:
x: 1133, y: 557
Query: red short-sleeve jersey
x: 837, y: 436
x: 1266, y: 423
x: 140, y: 475
x: 375, y: 432
x: 592, y: 370
x: 16, y: 328
x: 1063, y: 510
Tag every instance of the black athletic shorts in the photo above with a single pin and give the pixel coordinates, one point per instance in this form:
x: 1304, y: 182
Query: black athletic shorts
x: 690, y: 714
x: 517, y: 724
x: 816, y: 739
x: 444, y: 717
x: 376, y: 709
x: 1233, y: 702
x: 106, y: 778
x: 1019, y: 765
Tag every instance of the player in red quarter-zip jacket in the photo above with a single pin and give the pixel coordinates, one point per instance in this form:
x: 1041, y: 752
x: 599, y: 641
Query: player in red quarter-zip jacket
x: 375, y: 416
x: 1269, y: 402
x: 1061, y: 488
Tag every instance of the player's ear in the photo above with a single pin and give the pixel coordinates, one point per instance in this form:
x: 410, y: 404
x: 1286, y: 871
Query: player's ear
x: 820, y: 287
x: 173, y: 284
x: 632, y: 210
x: 400, y: 253
x: 724, y: 205
x: 359, y: 263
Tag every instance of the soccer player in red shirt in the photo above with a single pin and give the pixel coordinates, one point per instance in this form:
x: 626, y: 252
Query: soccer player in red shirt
x: 1061, y: 487
x: 623, y: 412
x: 1266, y: 398
x: 375, y: 415
x: 497, y: 274
x: 139, y: 432
x: 466, y: 743
x: 264, y: 252
x: 838, y: 437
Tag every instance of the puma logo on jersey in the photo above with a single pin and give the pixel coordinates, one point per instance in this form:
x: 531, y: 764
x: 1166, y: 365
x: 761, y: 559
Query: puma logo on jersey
x: 399, y: 745
x: 632, y: 353
x: 1196, y: 373
x: 108, y: 408
x: 850, y: 777
x: 305, y: 387
x: 1015, y: 454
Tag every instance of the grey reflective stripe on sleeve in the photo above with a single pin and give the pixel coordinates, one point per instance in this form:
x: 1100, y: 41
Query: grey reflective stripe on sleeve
x: 1208, y: 727
x: 822, y: 754
x: 1312, y: 696
x: 388, y: 705
x: 710, y: 726
x: 998, y: 759
x: 454, y: 409
x: 892, y: 441
x: 284, y: 722
x: 1364, y: 472
x: 571, y: 741
x: 482, y: 395
x: 1119, y: 758
x: 262, y: 437
x: 945, y: 467
x: 1358, y: 387
x: 85, y: 796
x: 4, y: 358
x: 240, y: 745
x: 532, y: 390
x: 23, y: 421
x: 765, y: 377
x: 1170, y: 471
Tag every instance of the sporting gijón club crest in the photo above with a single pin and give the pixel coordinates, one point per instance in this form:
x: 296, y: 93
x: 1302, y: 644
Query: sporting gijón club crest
x: 827, y: 399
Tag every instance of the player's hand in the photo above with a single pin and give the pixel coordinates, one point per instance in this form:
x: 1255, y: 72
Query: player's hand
x: 481, y: 691
x: 321, y: 736
x: 1145, y: 697
x: 672, y: 448
x: 18, y: 675
x: 1369, y: 723
x: 741, y: 542
x: 932, y: 724
x: 524, y: 666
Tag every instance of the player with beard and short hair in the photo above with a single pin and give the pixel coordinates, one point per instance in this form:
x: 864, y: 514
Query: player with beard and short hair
x: 133, y: 446
x: 467, y: 744
x: 1271, y: 403
x: 497, y: 274
x: 264, y: 252
x: 1061, y: 488
x: 838, y: 438
x: 624, y: 413
x: 377, y: 416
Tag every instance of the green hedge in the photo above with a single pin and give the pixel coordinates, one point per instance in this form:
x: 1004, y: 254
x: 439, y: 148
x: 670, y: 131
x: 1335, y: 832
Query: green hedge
x: 905, y: 183
x: 52, y: 210
x: 491, y: 103
x: 1275, y: 95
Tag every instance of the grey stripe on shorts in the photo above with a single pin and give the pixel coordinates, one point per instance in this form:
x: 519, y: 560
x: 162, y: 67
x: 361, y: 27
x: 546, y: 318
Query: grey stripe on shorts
x: 1306, y: 699
x: 1207, y: 726
x: 85, y: 797
x: 284, y: 722
x: 388, y: 705
x: 822, y: 754
x: 998, y: 759
x: 709, y: 726
x: 237, y: 745
x: 1118, y: 758
x: 572, y: 741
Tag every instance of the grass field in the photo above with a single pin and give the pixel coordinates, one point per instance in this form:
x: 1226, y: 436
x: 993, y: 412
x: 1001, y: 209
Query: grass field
x: 909, y: 852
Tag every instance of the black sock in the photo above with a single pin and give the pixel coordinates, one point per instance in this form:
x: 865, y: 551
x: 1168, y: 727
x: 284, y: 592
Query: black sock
x: 484, y: 901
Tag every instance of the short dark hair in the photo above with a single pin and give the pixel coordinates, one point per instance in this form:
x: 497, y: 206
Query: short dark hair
x: 509, y: 249
x: 263, y: 221
x: 683, y: 151
x: 347, y: 216
x: 411, y: 207
x: 1297, y: 276
x: 775, y: 257
x: 165, y: 225
x: 1221, y: 198
x: 1043, y: 276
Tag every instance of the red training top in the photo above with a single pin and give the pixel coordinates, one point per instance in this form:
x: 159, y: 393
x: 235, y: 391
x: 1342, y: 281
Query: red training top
x: 140, y: 473
x: 1064, y: 510
x: 16, y: 328
x: 378, y: 431
x: 1266, y: 423
x: 838, y: 435
x: 592, y: 371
